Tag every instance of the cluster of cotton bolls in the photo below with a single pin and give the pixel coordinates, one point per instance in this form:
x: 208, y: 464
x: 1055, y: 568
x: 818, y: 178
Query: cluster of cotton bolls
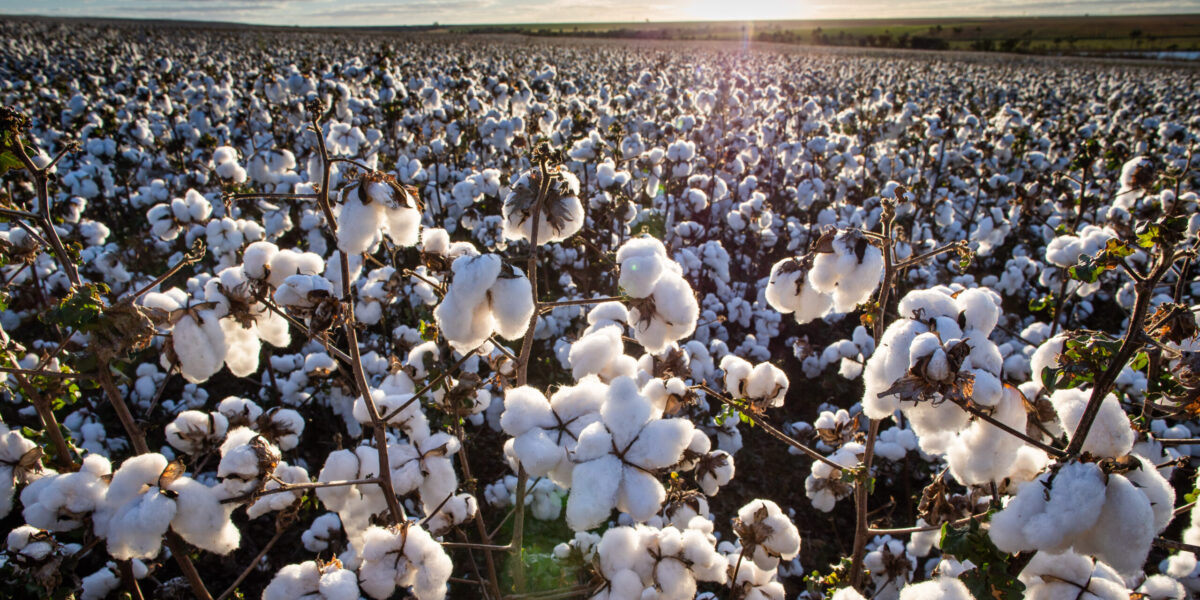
x: 702, y: 195
x: 663, y: 308
x: 842, y: 272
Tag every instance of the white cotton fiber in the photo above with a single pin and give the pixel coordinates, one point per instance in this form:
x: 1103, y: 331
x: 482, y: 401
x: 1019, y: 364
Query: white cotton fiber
x: 1051, y: 520
x: 1111, y: 435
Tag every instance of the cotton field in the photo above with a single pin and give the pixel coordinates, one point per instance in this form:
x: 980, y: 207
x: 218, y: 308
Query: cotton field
x: 315, y: 314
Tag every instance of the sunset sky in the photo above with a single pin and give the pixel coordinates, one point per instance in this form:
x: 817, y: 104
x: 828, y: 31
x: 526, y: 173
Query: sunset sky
x: 419, y: 12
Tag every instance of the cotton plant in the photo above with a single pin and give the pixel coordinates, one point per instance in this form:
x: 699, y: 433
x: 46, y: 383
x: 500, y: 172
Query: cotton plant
x: 842, y: 272
x: 146, y: 496
x: 561, y: 212
x: 313, y: 579
x: 20, y: 462
x: 546, y: 432
x: 377, y: 205
x: 403, y: 556
x: 615, y: 457
x: 926, y: 364
x: 663, y: 308
x: 485, y: 297
x: 648, y: 562
x: 764, y: 384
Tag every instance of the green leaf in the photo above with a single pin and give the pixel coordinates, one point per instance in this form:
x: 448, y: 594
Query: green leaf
x: 80, y: 311
x: 8, y: 161
x: 990, y: 577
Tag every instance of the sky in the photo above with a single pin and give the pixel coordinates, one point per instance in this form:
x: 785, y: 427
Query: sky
x: 424, y: 12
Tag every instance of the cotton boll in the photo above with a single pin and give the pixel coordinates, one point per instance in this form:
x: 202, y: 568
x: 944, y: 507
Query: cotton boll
x: 1046, y: 357
x: 767, y: 384
x: 287, y: 262
x: 464, y: 316
x: 594, y: 487
x: 669, y: 316
x: 763, y: 527
x: 1041, y: 519
x: 403, y: 225
x: 983, y: 453
x: 243, y: 347
x: 640, y: 273
x: 979, y: 309
x: 1111, y: 435
x: 200, y: 344
x: 318, y: 535
x: 511, y: 300
x: 561, y: 214
x: 1052, y: 576
x: 1158, y: 492
x: 200, y: 518
x: 411, y: 558
x: 193, y: 430
x: 942, y: 588
x: 1125, y: 528
x: 256, y: 258
x: 1161, y: 587
x: 59, y: 502
x: 602, y: 353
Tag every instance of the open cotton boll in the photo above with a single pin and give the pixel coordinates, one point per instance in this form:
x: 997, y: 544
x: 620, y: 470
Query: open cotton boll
x: 200, y: 518
x: 193, y: 431
x: 788, y: 291
x: 302, y: 291
x: 1161, y: 587
x: 288, y: 262
x: 359, y: 223
x: 762, y: 527
x: 601, y: 352
x: 941, y: 588
x: 984, y: 453
x: 464, y: 316
x: 1124, y: 528
x: 1158, y: 491
x: 1111, y: 435
x: 199, y: 343
x: 246, y: 458
x: 848, y: 267
x: 767, y: 384
x: 668, y: 315
x: 1051, y: 519
x: 642, y: 260
x: 1046, y: 357
x: 256, y: 258
x: 561, y: 215
x: 1069, y: 576
x: 403, y: 225
x: 243, y: 347
x: 318, y: 535
x: 407, y: 558
x: 313, y: 580
x: 59, y: 502
x: 980, y: 309
x: 266, y: 503
x: 511, y: 301
x: 135, y: 513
